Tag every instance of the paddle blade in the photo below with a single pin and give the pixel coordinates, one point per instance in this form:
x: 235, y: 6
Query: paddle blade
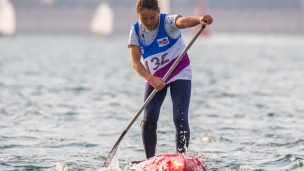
x: 111, y: 156
x: 113, y: 151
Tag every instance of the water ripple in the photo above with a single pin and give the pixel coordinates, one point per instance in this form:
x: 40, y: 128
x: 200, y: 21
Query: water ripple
x: 65, y: 109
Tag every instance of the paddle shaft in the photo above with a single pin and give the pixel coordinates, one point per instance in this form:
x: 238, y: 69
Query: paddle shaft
x: 114, y: 149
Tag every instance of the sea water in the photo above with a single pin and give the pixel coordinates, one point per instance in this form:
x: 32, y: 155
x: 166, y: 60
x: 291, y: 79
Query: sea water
x: 66, y: 99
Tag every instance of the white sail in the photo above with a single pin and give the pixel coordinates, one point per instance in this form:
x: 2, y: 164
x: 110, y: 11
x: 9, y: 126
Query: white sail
x: 165, y: 6
x: 7, y: 18
x: 103, y: 20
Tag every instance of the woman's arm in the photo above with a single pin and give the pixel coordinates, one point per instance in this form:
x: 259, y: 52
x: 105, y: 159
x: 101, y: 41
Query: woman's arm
x: 135, y: 54
x: 190, y: 21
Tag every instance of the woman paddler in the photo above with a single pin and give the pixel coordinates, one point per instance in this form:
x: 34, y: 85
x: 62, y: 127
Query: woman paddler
x: 156, y: 38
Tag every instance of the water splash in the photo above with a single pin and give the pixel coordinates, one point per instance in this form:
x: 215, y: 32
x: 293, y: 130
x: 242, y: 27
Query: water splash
x: 183, y: 140
x: 61, y: 167
x: 209, y: 157
x: 240, y: 168
x: 114, y: 165
x: 208, y: 139
x: 136, y: 167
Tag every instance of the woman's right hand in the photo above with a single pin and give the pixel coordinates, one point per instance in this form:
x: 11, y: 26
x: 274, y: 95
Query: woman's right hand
x: 157, y: 82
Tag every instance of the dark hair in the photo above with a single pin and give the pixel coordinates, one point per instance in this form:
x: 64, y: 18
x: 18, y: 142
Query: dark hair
x: 148, y: 4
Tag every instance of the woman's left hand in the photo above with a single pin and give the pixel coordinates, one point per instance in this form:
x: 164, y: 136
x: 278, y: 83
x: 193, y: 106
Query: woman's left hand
x: 206, y: 19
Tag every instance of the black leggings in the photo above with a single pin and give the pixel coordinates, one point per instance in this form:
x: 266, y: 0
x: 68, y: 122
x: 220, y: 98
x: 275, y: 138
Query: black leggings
x: 180, y: 91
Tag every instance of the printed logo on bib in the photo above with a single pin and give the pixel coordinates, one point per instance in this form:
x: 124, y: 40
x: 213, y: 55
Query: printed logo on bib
x: 142, y: 50
x: 163, y: 41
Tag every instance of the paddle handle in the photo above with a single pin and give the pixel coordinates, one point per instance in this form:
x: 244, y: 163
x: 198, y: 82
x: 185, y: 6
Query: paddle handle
x: 114, y: 149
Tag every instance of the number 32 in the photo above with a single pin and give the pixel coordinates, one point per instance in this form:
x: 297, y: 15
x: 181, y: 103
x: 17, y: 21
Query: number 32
x: 158, y: 61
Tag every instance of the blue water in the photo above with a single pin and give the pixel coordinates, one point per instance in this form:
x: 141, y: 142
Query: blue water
x: 65, y: 100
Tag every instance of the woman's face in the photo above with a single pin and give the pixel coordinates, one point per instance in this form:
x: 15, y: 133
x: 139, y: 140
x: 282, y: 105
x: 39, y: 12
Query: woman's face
x: 149, y: 18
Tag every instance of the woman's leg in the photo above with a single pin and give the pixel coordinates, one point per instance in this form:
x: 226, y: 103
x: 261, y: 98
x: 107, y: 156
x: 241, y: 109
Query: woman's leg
x: 150, y: 118
x: 180, y: 91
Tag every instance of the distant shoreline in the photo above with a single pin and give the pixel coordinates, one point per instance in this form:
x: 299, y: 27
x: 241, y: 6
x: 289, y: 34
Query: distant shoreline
x: 77, y: 20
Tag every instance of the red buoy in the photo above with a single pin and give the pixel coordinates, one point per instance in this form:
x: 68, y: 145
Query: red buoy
x: 174, y: 162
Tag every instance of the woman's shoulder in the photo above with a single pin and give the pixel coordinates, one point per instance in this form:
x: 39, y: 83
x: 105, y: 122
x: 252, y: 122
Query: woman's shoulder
x: 170, y: 22
x: 171, y: 15
x: 170, y: 18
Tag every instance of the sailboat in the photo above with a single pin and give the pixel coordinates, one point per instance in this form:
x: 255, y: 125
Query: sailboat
x: 103, y: 20
x: 165, y: 6
x: 7, y: 18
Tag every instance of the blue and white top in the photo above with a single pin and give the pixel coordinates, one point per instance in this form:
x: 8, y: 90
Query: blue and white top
x: 160, y: 53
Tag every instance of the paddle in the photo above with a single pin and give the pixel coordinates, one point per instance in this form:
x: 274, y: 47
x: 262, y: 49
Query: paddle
x: 114, y: 149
